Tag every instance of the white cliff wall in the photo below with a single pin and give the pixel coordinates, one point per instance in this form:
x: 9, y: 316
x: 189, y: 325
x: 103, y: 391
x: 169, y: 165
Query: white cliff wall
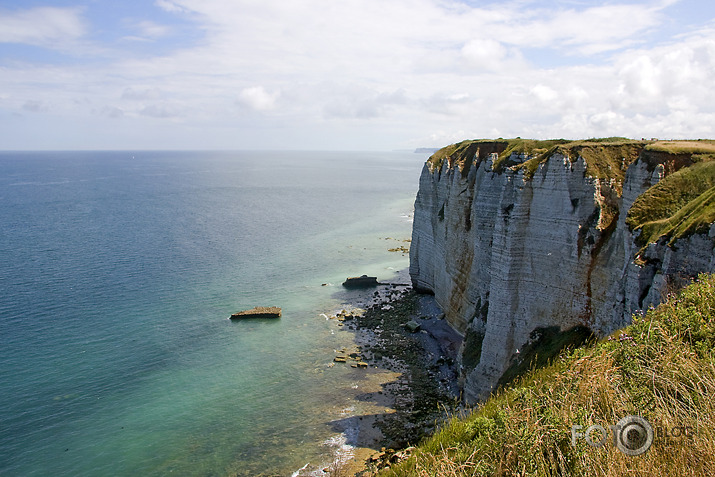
x: 505, y: 254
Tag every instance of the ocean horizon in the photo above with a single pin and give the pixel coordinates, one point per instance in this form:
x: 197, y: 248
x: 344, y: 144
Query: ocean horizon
x: 120, y: 270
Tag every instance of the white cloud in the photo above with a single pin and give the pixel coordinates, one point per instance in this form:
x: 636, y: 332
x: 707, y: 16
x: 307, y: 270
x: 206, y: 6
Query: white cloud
x: 112, y: 112
x: 489, y: 54
x: 588, y: 31
x: 363, y: 71
x: 149, y: 29
x: 449, y: 104
x: 162, y: 110
x: 141, y: 94
x: 258, y: 99
x: 670, y: 77
x: 356, y: 102
x: 35, y: 106
x: 544, y: 93
x: 42, y: 26
x: 169, y: 6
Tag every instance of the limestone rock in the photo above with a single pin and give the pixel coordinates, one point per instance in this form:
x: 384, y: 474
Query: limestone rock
x: 505, y: 252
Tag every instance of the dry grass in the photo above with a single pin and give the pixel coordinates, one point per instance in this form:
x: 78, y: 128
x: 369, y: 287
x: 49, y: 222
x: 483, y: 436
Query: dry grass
x: 700, y: 146
x: 662, y: 368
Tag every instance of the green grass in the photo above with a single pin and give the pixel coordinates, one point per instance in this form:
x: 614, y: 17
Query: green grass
x: 681, y: 204
x: 662, y: 367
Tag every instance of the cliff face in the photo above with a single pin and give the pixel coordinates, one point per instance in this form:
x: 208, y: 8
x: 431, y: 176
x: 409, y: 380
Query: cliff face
x: 511, y: 242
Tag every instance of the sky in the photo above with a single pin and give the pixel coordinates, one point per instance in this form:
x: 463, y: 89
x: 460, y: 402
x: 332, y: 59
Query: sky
x: 350, y: 74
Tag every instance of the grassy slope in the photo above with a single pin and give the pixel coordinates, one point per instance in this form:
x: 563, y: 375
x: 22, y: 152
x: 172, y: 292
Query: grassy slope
x: 662, y: 367
x: 682, y: 203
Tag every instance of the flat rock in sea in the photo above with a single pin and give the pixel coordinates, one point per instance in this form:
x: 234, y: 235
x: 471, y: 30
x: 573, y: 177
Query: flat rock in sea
x: 360, y: 282
x: 258, y: 312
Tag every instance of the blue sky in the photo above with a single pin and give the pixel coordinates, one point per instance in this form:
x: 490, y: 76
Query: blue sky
x: 350, y: 74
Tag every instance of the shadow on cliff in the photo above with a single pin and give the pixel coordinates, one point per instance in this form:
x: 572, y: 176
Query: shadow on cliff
x: 545, y: 344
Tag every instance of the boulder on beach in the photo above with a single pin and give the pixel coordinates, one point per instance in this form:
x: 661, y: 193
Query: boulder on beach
x: 412, y: 326
x: 258, y: 312
x: 360, y: 282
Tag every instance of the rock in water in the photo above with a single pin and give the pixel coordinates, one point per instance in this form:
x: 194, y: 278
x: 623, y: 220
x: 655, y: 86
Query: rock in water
x: 258, y: 312
x: 360, y: 282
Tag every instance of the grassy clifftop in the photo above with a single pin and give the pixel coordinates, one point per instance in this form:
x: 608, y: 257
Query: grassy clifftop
x: 662, y: 368
x: 681, y: 204
x: 605, y: 157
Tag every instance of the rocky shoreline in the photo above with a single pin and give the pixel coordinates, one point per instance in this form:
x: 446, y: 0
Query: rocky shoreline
x: 422, y: 389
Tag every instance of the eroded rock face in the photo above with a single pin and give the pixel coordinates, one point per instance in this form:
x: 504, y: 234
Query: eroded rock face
x: 505, y: 253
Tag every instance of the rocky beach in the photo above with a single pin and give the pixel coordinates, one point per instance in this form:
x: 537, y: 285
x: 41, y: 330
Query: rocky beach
x: 404, y: 352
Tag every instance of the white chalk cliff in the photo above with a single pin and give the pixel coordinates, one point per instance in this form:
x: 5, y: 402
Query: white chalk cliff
x: 511, y: 242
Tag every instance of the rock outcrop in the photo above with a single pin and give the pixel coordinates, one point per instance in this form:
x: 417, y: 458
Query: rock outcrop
x: 360, y: 282
x: 516, y: 236
x: 258, y: 312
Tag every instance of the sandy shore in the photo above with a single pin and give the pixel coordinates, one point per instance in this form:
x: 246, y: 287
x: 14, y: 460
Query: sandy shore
x: 410, y: 379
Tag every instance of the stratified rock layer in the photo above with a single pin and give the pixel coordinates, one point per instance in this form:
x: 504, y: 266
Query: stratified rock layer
x: 506, y: 252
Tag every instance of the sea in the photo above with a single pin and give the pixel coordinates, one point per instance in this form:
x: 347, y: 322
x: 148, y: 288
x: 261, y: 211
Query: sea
x: 118, y: 272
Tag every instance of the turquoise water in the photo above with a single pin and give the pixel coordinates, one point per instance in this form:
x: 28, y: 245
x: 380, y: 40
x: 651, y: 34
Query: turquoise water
x: 118, y: 272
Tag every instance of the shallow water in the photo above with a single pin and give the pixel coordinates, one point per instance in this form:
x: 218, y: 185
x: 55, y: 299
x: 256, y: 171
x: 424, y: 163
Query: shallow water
x: 119, y: 270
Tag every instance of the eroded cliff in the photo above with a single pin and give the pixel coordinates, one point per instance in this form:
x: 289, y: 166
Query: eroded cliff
x: 515, y: 237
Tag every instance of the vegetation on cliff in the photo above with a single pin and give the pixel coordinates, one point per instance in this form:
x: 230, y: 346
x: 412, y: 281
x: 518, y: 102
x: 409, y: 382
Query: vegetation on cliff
x: 606, y: 158
x: 679, y: 205
x: 465, y: 153
x: 662, y: 368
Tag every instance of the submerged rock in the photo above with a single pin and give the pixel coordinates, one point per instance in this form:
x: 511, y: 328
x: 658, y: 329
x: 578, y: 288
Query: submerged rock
x: 258, y: 312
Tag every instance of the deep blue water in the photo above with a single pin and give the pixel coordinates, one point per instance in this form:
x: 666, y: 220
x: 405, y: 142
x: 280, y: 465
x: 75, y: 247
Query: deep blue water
x: 118, y: 271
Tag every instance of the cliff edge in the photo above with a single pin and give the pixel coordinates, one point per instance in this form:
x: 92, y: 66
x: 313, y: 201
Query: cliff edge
x: 518, y: 238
